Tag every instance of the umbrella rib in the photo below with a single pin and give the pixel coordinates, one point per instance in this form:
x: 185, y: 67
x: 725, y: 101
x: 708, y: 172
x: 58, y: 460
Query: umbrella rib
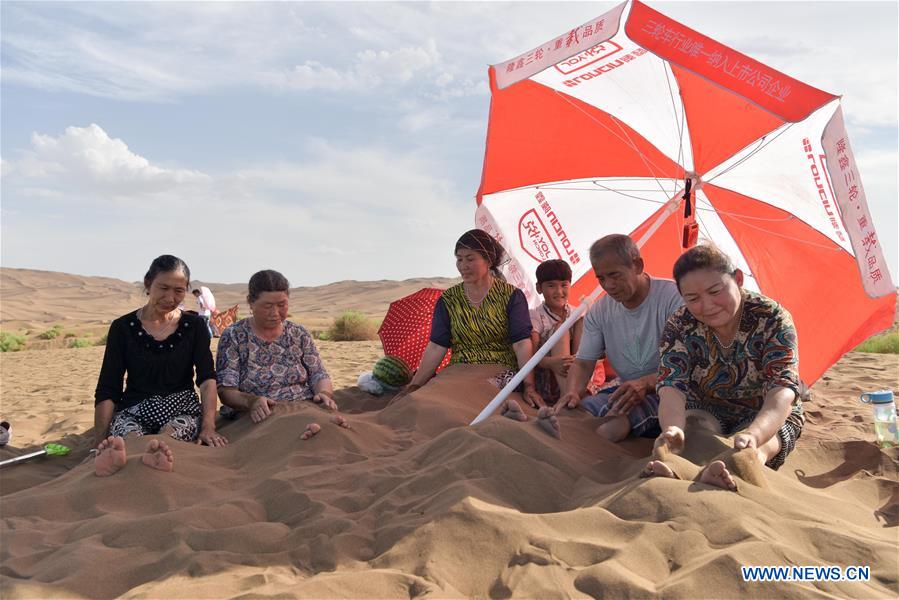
x: 763, y: 142
x: 787, y: 237
x: 680, y: 126
x: 628, y: 141
x: 711, y: 208
x: 642, y: 157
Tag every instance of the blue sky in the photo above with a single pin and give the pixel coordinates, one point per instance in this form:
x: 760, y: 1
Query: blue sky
x: 328, y: 140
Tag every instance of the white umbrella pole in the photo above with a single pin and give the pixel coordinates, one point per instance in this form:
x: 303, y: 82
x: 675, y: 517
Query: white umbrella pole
x: 20, y: 459
x: 576, y: 314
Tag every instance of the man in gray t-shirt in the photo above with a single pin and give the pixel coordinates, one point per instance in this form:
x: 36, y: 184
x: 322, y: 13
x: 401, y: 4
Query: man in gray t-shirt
x: 625, y: 325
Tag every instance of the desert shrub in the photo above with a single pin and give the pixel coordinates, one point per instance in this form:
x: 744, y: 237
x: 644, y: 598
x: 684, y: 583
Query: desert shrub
x: 885, y: 343
x: 69, y: 334
x: 11, y: 342
x: 101, y: 341
x: 80, y: 343
x: 353, y: 326
x: 51, y: 334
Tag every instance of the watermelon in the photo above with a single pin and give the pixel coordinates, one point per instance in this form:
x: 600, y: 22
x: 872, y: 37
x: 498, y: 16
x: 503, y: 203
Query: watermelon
x: 392, y: 371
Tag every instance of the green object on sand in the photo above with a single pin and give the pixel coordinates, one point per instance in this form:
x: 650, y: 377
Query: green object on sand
x: 57, y: 449
x: 48, y: 450
x: 393, y: 371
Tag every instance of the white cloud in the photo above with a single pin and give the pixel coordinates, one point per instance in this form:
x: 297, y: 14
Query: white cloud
x: 370, y: 69
x: 87, y: 159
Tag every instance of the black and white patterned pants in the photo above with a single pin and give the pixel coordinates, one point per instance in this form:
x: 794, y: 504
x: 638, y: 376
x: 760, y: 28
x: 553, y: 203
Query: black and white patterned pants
x: 181, y: 411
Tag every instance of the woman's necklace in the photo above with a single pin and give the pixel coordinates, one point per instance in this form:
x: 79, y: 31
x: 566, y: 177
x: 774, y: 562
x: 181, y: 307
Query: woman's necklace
x: 159, y: 332
x: 471, y: 300
x: 733, y: 339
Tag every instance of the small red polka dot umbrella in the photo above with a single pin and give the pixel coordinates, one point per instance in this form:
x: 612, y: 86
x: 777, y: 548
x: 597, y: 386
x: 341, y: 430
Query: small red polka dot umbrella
x: 407, y: 327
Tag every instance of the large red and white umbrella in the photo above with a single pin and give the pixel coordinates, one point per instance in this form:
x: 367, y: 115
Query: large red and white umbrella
x: 600, y: 130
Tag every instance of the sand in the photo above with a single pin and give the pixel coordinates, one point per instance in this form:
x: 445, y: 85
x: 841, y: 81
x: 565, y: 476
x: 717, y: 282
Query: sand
x: 411, y: 502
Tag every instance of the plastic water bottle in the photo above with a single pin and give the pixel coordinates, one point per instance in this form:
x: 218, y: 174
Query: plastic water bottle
x: 885, y: 431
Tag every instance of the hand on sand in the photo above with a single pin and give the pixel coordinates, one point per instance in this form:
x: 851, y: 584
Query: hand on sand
x: 512, y: 410
x: 209, y: 437
x: 549, y: 422
x: 569, y: 400
x: 745, y: 440
x: 110, y: 456
x: 261, y: 409
x: 673, y: 438
x: 158, y: 456
x: 628, y: 395
x: 324, y: 398
x: 531, y: 396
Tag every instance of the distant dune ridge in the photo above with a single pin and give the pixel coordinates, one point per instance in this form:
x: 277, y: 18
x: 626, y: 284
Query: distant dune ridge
x: 411, y: 502
x: 36, y: 299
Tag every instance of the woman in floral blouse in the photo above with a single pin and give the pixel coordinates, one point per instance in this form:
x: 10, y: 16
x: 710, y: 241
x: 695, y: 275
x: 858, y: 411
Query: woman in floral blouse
x: 730, y: 357
x: 267, y: 359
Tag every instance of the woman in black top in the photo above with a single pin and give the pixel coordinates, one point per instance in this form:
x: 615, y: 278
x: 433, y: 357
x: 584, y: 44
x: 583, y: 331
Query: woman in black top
x: 159, y: 346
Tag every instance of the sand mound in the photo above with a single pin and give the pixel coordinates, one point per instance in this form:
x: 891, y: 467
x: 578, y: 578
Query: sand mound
x: 411, y: 502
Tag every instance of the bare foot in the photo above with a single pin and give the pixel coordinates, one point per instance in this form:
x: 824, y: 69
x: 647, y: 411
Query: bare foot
x: 311, y: 429
x: 656, y: 468
x: 110, y: 456
x: 716, y: 474
x: 549, y: 422
x: 158, y: 456
x: 340, y: 421
x: 512, y: 410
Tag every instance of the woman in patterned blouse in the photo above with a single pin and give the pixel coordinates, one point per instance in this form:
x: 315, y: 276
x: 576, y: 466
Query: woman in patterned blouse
x: 266, y: 359
x: 730, y: 358
x: 483, y: 319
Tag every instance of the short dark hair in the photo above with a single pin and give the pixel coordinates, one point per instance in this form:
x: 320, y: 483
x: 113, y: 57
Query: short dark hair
x: 704, y: 256
x: 165, y: 264
x: 618, y: 244
x: 554, y: 269
x: 267, y: 281
x: 478, y: 240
